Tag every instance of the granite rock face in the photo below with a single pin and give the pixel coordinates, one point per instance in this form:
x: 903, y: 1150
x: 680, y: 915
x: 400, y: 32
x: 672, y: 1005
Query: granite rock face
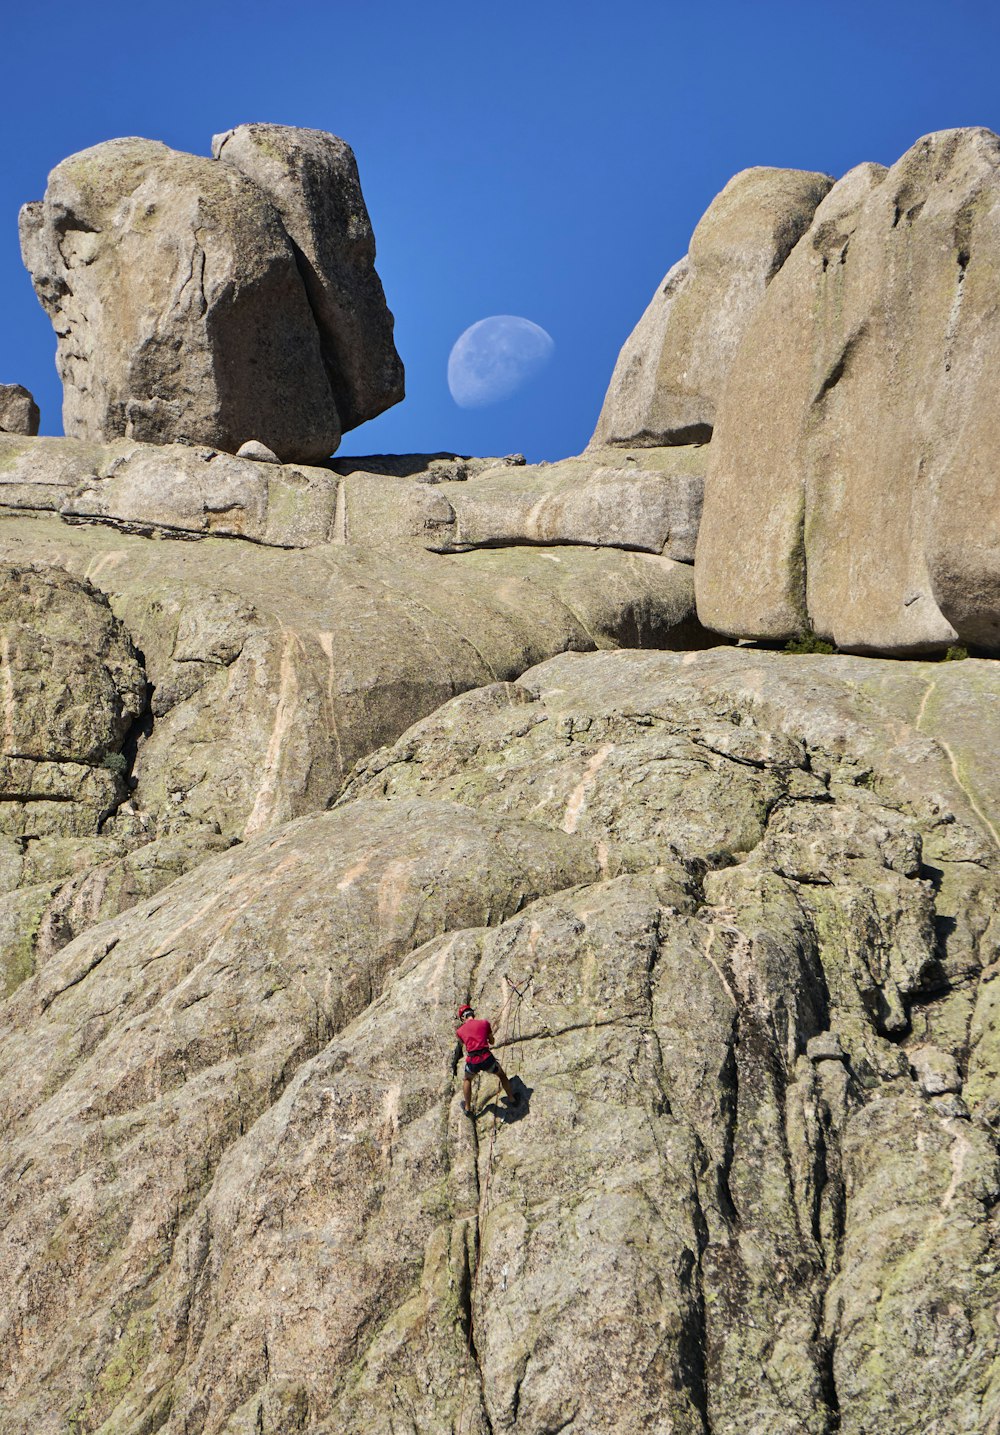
x: 644, y: 500
x: 18, y: 410
x: 296, y: 757
x: 185, y: 309
x: 72, y: 687
x: 852, y: 481
x: 271, y: 651
x: 749, y: 901
x: 670, y: 374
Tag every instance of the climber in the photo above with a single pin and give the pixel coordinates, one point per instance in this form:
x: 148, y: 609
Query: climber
x: 475, y: 1034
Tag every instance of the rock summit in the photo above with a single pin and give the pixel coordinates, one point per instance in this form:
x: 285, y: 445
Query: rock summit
x: 215, y: 301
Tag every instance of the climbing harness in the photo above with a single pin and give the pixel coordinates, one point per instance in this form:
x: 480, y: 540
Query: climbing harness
x: 510, y: 1016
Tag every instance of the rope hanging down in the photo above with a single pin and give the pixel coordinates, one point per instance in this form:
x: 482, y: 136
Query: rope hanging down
x: 510, y: 1016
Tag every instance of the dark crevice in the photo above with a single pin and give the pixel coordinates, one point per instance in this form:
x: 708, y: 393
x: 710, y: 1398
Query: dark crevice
x: 693, y: 1343
x: 27, y: 797
x: 828, y: 1382
x: 458, y: 548
x: 622, y: 1020
x: 137, y: 529
x: 139, y: 728
x: 833, y: 378
x: 80, y: 976
x: 728, y: 1110
x: 671, y: 438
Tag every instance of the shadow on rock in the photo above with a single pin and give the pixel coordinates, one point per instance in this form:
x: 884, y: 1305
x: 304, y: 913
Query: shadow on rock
x: 510, y: 1114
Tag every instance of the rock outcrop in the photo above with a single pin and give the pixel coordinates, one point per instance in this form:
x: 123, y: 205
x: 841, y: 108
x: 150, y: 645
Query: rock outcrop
x: 296, y: 756
x: 187, y: 310
x: 746, y: 898
x: 72, y: 687
x: 18, y: 410
x: 852, y: 480
x: 647, y: 500
x: 672, y: 369
x: 286, y: 621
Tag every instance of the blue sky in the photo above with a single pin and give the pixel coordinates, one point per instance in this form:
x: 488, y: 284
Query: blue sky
x: 545, y: 160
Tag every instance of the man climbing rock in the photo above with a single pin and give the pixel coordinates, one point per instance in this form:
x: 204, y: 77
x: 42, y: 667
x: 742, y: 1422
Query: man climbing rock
x: 475, y: 1034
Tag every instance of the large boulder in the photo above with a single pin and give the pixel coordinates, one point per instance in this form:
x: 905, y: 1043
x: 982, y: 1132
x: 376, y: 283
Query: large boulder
x: 312, y: 179
x: 852, y: 484
x: 182, y: 305
x: 671, y: 370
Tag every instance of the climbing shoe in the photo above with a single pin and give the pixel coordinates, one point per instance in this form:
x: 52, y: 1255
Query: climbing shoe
x: 467, y: 1112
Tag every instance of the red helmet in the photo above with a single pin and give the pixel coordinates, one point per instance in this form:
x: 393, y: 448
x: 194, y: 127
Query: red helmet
x: 465, y: 1010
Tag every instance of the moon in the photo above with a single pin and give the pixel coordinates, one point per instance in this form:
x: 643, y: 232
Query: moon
x: 494, y: 358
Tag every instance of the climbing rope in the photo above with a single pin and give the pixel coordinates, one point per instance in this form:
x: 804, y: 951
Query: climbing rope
x: 510, y: 1016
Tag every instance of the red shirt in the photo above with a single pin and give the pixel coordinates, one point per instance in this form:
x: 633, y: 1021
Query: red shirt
x: 475, y: 1035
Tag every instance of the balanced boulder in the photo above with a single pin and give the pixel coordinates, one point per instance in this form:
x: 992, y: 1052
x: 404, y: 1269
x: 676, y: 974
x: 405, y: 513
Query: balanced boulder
x: 312, y: 179
x: 181, y: 306
x: 670, y: 373
x: 852, y: 486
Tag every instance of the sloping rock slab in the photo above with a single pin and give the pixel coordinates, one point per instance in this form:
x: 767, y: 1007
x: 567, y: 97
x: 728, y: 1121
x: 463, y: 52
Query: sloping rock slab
x: 238, y: 1193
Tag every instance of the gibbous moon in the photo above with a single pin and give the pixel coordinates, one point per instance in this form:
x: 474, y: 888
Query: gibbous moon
x: 494, y: 358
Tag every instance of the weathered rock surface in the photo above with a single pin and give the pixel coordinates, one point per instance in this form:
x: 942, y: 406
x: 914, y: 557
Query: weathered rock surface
x: 672, y: 369
x: 647, y: 500
x: 170, y: 490
x: 71, y: 688
x: 18, y: 410
x: 181, y: 304
x: 275, y: 655
x: 744, y: 895
x: 273, y: 672
x: 852, y: 483
x: 312, y: 179
x: 73, y: 848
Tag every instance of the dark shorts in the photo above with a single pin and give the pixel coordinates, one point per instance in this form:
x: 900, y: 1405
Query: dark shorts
x: 490, y: 1064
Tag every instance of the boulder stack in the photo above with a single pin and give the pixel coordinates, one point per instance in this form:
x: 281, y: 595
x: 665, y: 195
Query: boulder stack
x: 852, y: 486
x: 214, y: 300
